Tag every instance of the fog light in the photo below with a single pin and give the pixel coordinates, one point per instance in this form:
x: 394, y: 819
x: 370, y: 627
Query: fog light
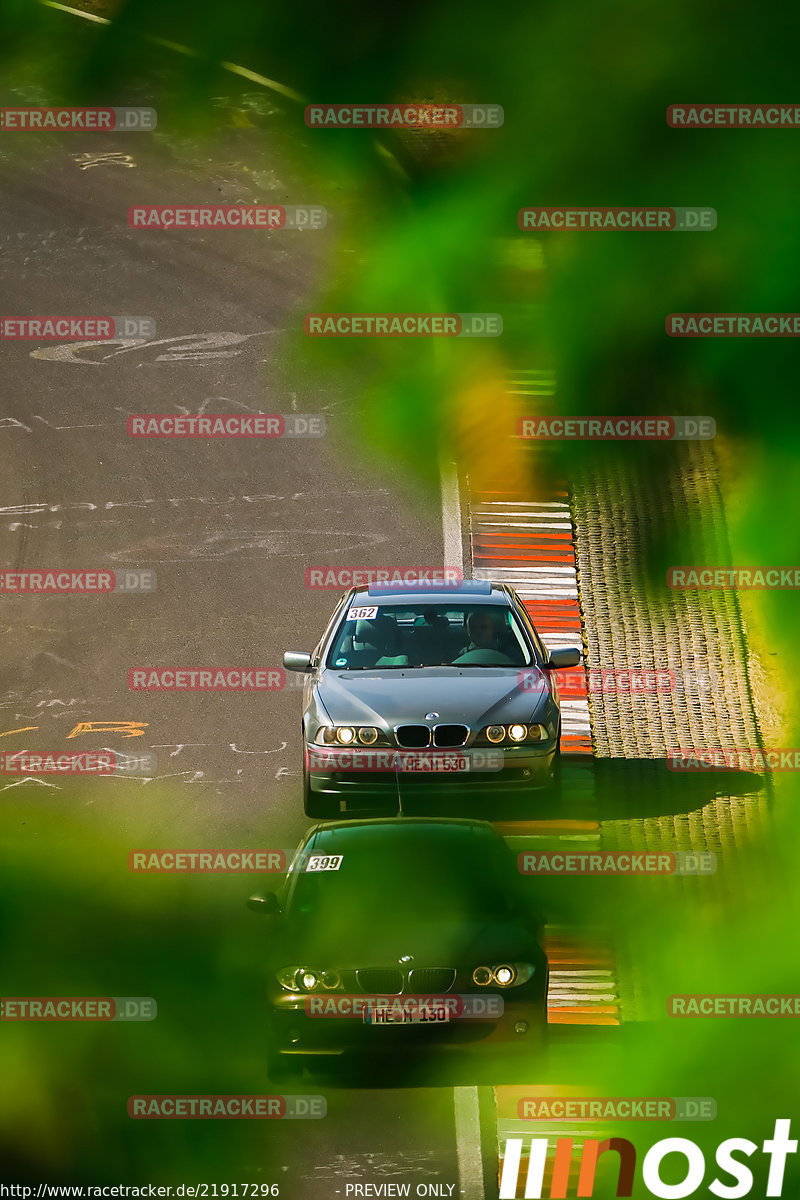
x: 294, y: 1037
x: 521, y: 1027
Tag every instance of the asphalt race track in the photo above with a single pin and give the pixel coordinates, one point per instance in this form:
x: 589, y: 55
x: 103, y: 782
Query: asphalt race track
x: 229, y: 527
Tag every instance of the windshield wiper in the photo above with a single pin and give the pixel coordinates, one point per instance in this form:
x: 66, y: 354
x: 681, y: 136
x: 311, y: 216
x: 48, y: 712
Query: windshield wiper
x: 491, y: 666
x: 433, y: 666
x: 407, y: 667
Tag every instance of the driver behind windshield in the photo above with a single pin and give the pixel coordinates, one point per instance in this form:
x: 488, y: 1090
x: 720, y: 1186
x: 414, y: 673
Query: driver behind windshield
x: 490, y: 635
x: 482, y: 632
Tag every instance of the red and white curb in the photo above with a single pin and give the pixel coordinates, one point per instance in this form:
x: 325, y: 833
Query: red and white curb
x: 529, y: 545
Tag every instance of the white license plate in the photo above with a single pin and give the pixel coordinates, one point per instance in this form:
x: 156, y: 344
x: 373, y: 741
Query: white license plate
x: 442, y: 764
x: 397, y: 1015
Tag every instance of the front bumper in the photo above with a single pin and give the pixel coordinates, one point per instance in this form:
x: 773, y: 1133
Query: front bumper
x: 293, y: 1032
x: 355, y: 773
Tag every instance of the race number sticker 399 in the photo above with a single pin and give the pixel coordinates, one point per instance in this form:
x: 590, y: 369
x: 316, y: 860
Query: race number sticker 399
x: 362, y: 614
x: 324, y: 862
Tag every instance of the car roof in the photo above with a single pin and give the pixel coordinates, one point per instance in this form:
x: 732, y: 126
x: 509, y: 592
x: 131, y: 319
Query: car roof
x: 396, y: 829
x: 473, y: 591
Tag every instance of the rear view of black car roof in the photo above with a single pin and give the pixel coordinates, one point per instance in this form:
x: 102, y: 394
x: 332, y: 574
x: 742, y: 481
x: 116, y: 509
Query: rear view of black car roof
x: 394, y: 829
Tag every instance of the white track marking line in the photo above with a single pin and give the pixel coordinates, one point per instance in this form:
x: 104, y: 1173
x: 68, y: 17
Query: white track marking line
x: 537, y: 574
x: 526, y: 524
x: 451, y: 517
x: 584, y: 971
x: 254, y: 77
x: 468, y: 1143
x: 234, y: 68
x: 550, y: 504
x: 466, y: 1107
x: 77, y: 12
x: 569, y: 1000
x: 552, y: 518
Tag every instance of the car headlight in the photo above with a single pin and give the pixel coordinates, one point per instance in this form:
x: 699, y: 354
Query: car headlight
x: 504, y: 974
x: 305, y: 979
x: 351, y: 735
x: 515, y: 734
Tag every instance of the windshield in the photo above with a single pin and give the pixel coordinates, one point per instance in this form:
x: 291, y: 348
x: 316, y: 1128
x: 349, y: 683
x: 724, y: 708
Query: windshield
x: 428, y: 635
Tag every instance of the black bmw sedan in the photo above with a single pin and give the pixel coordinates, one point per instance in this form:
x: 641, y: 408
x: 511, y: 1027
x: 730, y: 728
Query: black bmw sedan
x: 401, y: 935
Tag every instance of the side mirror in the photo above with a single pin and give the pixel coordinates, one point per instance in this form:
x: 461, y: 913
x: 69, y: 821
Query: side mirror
x: 297, y: 660
x: 267, y: 904
x: 569, y: 657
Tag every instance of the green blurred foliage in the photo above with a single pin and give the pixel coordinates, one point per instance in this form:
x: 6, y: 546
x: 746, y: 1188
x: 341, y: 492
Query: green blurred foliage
x: 585, y: 91
x: 78, y: 922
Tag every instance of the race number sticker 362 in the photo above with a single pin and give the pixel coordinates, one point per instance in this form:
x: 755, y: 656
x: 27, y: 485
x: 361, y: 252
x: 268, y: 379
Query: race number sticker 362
x: 362, y: 614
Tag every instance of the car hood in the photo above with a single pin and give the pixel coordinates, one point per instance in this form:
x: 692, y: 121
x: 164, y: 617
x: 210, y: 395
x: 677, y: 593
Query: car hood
x: 476, y: 696
x: 442, y: 944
